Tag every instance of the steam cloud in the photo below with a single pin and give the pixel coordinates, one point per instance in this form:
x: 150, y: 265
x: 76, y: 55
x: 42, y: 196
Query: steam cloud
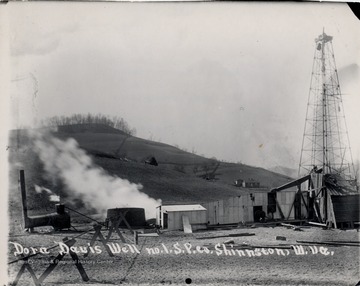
x: 91, y: 184
x: 52, y: 197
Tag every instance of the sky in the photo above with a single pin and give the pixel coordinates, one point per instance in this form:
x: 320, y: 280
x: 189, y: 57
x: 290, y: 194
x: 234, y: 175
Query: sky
x: 226, y: 80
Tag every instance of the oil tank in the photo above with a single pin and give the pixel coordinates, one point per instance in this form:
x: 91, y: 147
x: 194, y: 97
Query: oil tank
x: 134, y: 216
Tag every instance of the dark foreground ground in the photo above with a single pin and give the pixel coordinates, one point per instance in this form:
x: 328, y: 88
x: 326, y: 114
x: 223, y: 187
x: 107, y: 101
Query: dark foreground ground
x: 177, y: 263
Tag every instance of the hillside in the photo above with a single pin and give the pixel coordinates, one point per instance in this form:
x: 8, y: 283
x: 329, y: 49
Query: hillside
x: 175, y: 180
x: 284, y: 171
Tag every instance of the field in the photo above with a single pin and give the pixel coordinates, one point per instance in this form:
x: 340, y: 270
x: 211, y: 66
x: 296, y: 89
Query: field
x: 334, y: 266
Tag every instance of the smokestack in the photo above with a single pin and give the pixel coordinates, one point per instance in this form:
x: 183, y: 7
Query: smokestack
x: 23, y: 198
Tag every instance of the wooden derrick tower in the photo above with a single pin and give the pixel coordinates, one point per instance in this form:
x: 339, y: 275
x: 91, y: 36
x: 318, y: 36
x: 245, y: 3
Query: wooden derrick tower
x: 325, y: 140
x: 326, y: 153
x: 326, y: 169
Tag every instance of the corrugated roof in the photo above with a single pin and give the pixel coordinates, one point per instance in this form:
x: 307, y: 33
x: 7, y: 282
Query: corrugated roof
x: 182, y: 208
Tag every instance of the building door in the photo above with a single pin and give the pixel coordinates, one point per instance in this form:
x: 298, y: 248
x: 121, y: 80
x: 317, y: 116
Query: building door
x: 165, y: 220
x: 297, y: 205
x: 271, y: 208
x: 259, y: 214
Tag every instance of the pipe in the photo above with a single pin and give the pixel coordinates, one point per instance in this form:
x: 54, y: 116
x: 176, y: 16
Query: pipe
x: 23, y: 198
x: 70, y: 209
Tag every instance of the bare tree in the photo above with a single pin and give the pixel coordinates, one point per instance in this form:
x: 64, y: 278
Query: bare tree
x: 115, y: 122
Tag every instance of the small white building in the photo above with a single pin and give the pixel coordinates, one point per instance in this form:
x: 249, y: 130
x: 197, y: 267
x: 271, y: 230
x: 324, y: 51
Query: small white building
x: 171, y: 216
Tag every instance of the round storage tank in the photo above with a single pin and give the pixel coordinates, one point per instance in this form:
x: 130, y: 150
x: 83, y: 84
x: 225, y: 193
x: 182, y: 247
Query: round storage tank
x: 134, y: 216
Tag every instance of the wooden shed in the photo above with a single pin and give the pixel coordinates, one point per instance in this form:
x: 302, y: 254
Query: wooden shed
x: 255, y: 205
x: 289, y: 204
x: 325, y: 198
x: 171, y: 216
x: 246, y: 207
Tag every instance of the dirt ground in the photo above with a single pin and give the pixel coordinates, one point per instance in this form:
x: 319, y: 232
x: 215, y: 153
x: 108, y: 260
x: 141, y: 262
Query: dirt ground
x: 182, y: 259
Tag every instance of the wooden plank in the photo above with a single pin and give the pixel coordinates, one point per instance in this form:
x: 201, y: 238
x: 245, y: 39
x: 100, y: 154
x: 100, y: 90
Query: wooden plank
x: 343, y: 241
x: 52, y: 266
x: 317, y: 214
x: 331, y: 209
x: 328, y: 243
x: 241, y: 234
x: 251, y: 246
x: 279, y: 208
x: 22, y: 270
x: 305, y: 204
x: 59, y: 257
x: 288, y: 225
x: 102, y: 239
x: 229, y: 235
x: 317, y: 224
x: 292, y: 183
x: 148, y: 235
x: 292, y: 205
x: 79, y: 266
x: 295, y: 227
x: 186, y: 224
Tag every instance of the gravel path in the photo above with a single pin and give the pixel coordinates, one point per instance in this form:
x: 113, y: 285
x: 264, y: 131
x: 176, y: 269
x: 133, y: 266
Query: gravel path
x: 179, y: 259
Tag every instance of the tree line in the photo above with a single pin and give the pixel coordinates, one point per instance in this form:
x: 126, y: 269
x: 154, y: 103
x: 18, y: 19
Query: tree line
x: 114, y: 121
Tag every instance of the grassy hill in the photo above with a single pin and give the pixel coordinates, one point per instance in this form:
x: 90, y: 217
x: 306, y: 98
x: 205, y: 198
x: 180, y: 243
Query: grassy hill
x: 285, y: 171
x: 175, y: 180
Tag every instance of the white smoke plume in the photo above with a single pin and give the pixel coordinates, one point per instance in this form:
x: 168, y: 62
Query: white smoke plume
x: 92, y: 184
x: 52, y: 197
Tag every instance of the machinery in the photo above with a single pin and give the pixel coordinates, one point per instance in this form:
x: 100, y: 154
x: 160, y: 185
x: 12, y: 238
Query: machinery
x: 58, y: 220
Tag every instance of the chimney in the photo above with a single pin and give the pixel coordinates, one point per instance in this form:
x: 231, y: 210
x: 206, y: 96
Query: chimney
x: 23, y: 198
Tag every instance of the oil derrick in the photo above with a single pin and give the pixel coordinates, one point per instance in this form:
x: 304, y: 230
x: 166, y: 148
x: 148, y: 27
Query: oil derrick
x: 327, y: 193
x: 326, y: 147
